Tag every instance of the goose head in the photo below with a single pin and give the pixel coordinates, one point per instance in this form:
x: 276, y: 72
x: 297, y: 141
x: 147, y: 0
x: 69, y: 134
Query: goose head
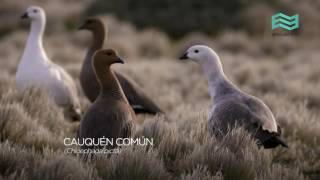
x: 34, y: 13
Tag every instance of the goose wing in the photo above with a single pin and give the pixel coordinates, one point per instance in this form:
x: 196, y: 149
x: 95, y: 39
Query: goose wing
x: 137, y: 98
x: 64, y: 88
x: 263, y: 115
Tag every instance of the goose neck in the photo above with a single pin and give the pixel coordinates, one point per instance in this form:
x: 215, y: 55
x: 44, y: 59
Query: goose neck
x: 98, y: 39
x: 110, y: 87
x: 214, y: 73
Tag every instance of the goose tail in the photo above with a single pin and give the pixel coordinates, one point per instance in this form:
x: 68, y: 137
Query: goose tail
x: 73, y: 113
x: 273, y: 142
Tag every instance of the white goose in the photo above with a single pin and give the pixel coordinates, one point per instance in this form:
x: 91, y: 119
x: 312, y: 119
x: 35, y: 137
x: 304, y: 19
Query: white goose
x: 37, y: 70
x: 231, y: 106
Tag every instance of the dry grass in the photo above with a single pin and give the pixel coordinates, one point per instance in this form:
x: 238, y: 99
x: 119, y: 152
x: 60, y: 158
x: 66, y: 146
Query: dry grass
x: 283, y: 71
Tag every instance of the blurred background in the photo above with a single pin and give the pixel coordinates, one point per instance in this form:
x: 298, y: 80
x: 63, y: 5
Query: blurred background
x: 282, y: 70
x: 149, y: 27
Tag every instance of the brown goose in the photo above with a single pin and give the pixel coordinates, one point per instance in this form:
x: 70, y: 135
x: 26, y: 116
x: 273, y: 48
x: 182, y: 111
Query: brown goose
x: 232, y: 106
x: 137, y: 98
x: 110, y: 115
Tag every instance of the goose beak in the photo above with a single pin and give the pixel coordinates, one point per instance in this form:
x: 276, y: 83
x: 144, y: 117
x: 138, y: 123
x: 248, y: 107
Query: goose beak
x: 25, y: 16
x: 184, y: 56
x: 119, y: 60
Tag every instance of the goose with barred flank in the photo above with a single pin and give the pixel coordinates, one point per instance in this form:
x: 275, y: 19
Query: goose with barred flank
x: 110, y: 116
x: 231, y: 106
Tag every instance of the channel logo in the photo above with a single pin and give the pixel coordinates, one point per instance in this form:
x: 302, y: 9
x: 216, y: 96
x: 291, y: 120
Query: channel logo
x: 284, y: 21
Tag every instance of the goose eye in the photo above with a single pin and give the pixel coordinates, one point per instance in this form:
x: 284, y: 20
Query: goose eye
x: 35, y: 11
x: 109, y: 53
x: 196, y: 51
